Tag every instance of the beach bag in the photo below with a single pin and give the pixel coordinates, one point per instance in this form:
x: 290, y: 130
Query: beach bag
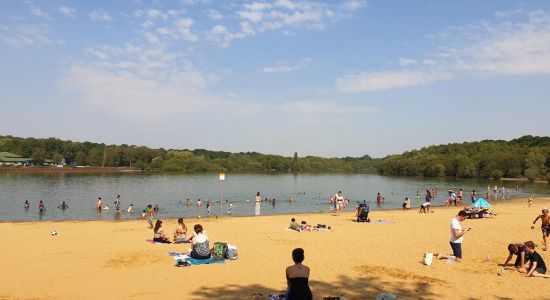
x: 232, y: 252
x: 220, y: 251
x: 428, y: 257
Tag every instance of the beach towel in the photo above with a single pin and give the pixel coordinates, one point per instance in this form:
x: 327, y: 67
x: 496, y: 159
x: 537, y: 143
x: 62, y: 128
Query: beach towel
x: 380, y: 221
x: 175, y: 253
x: 204, y: 261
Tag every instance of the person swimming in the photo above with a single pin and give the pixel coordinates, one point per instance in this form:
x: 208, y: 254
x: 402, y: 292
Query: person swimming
x: 63, y: 206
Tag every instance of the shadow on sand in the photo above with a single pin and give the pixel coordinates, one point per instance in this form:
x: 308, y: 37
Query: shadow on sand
x: 350, y: 288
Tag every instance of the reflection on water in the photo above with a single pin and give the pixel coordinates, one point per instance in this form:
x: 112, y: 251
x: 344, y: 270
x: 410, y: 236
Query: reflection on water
x: 292, y: 193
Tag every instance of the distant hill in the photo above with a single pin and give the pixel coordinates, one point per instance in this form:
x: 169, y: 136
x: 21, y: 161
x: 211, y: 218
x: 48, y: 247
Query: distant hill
x: 198, y: 160
x: 527, y: 156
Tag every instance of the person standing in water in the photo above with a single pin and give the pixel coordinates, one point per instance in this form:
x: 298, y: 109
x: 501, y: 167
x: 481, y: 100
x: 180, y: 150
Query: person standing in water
x: 257, y: 203
x: 99, y: 204
x: 41, y: 207
x: 27, y: 205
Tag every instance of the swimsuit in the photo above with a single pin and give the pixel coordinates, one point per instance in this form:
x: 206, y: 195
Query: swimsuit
x: 545, y: 229
x: 299, y: 289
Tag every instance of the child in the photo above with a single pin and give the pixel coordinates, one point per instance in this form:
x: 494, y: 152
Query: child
x: 537, y: 267
x: 530, y: 201
x: 229, y: 209
x: 545, y: 226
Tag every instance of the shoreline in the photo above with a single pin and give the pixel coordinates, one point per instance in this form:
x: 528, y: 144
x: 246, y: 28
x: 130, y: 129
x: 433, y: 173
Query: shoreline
x: 56, y: 170
x: 327, y: 213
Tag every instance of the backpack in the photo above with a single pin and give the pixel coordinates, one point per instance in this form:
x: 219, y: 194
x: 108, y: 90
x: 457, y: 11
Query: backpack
x: 232, y: 252
x: 220, y: 251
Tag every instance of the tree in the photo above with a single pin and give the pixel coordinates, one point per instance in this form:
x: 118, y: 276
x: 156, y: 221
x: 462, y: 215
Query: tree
x: 38, y: 156
x: 535, y: 165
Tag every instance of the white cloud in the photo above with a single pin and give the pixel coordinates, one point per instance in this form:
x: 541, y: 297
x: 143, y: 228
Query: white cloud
x: 68, y: 11
x: 285, y: 67
x: 387, y: 80
x: 100, y: 16
x: 354, y: 4
x: 135, y: 97
x: 37, y: 11
x: 193, y: 2
x: 518, y: 48
x: 29, y: 35
x: 407, y: 62
x: 323, y: 107
x: 97, y: 53
x: 518, y: 43
x: 213, y: 14
x: 184, y: 28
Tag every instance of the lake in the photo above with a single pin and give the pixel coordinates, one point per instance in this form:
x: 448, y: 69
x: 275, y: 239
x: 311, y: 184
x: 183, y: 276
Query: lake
x: 310, y: 193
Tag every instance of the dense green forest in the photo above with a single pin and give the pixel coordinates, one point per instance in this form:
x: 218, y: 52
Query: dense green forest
x: 527, y: 156
x: 199, y: 160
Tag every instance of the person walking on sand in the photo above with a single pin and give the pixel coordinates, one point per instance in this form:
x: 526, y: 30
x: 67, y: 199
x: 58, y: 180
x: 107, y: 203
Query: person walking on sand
x: 457, y: 236
x: 257, y: 203
x: 530, y: 201
x: 545, y: 226
x: 537, y: 267
x: 150, y: 215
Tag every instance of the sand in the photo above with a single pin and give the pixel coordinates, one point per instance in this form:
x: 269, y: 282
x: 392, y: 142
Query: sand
x: 111, y: 260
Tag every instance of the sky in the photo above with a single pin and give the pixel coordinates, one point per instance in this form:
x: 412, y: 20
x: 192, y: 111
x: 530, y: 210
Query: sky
x: 332, y: 79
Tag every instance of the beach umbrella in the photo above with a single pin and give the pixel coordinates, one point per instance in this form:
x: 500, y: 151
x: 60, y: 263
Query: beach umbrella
x: 481, y: 203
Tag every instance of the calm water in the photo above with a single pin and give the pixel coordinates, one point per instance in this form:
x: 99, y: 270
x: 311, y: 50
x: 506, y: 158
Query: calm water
x: 310, y: 193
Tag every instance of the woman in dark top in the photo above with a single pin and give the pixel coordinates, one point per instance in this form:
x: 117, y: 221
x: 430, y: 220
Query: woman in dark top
x: 537, y: 267
x: 297, y: 277
x: 522, y: 255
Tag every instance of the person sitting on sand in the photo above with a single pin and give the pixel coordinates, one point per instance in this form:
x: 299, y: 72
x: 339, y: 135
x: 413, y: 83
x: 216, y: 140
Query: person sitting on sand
x: 537, y: 267
x: 294, y: 225
x: 545, y: 226
x: 297, y: 277
x: 520, y: 250
x: 200, y: 247
x: 159, y: 235
x: 27, y: 205
x: 180, y: 232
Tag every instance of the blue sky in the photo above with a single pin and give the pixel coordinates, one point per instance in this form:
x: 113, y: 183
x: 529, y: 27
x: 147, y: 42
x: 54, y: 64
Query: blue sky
x: 333, y: 78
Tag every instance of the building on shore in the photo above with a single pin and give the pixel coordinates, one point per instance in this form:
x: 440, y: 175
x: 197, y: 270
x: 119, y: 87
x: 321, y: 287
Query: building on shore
x: 10, y: 159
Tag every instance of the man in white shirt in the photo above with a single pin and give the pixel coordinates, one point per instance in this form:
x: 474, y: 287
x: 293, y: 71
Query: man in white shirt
x: 457, y: 236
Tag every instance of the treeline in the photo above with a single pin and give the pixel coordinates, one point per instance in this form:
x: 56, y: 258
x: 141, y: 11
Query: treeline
x: 199, y: 160
x: 528, y: 156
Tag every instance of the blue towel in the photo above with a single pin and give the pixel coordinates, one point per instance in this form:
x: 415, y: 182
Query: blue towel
x: 204, y: 261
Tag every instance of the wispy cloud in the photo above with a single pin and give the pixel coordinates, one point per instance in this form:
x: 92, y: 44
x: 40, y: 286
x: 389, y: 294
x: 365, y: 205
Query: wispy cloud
x: 387, y: 80
x: 213, y: 14
x: 37, y: 11
x: 354, y: 4
x: 68, y: 11
x: 259, y: 17
x: 323, y: 108
x: 27, y: 35
x: 100, y: 16
x: 286, y: 67
x: 516, y: 43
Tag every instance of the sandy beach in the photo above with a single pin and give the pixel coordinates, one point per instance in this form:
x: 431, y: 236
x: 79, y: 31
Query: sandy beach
x: 111, y: 260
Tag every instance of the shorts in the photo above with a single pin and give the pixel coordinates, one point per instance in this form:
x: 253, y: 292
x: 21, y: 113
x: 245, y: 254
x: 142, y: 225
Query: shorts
x: 545, y: 229
x: 457, y: 249
x: 150, y: 218
x: 540, y: 270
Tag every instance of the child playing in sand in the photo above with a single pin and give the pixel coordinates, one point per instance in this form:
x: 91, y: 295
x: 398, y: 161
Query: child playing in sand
x: 545, y: 226
x: 537, y: 267
x: 530, y: 201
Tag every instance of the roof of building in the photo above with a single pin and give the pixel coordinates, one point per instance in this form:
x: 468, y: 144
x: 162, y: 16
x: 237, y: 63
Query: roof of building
x: 15, y: 159
x: 8, y: 154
